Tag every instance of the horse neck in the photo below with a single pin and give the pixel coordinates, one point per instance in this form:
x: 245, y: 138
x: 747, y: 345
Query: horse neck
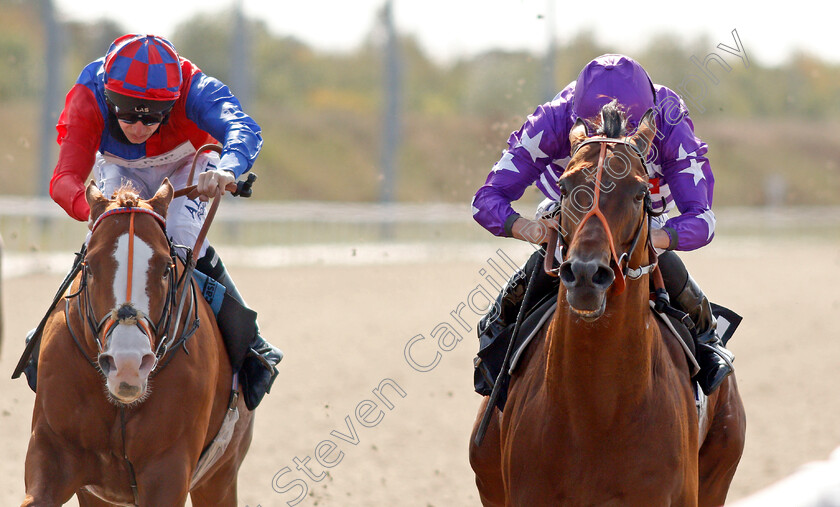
x: 601, y: 367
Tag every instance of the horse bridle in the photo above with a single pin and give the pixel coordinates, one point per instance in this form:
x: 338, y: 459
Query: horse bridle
x: 126, y: 313
x: 621, y: 272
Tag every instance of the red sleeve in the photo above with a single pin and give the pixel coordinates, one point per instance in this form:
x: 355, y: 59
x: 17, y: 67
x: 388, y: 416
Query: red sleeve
x: 79, y: 133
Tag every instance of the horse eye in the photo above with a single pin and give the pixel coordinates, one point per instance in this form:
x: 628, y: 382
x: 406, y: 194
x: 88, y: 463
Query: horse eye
x: 640, y: 196
x: 561, y: 185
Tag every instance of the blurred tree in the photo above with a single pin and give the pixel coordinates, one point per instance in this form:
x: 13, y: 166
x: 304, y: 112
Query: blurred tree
x: 205, y: 40
x: 320, y: 110
x: 85, y: 42
x: 501, y: 83
x: 21, y: 50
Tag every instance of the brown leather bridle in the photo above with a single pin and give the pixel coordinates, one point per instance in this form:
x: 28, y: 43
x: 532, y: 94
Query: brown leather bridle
x: 619, y: 264
x: 104, y: 327
x: 170, y: 335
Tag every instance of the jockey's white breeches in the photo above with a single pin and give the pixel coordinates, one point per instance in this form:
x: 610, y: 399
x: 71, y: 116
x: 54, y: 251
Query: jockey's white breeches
x: 184, y: 217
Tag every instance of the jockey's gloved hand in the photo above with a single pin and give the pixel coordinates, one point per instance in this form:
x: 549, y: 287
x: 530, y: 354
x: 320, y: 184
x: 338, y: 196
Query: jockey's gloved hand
x: 209, y: 181
x: 221, y: 176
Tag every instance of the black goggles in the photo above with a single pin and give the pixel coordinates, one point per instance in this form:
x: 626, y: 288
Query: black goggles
x: 147, y: 119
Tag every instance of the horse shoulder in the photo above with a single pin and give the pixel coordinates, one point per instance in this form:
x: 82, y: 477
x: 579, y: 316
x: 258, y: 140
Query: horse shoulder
x: 526, y: 418
x: 66, y: 379
x: 529, y: 377
x: 673, y: 351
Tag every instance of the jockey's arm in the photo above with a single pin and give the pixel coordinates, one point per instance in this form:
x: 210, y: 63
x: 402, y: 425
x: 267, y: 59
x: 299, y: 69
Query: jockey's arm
x: 79, y: 132
x: 689, y: 176
x: 214, y: 108
x: 530, y: 151
x: 660, y: 239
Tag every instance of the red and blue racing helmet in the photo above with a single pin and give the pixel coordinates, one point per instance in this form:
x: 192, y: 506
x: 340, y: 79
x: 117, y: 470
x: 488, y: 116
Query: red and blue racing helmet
x: 142, y: 74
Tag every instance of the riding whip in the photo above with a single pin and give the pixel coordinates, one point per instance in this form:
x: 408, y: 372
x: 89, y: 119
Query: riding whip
x: 503, y: 373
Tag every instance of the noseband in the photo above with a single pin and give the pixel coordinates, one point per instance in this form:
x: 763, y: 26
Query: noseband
x: 126, y: 313
x: 620, y: 263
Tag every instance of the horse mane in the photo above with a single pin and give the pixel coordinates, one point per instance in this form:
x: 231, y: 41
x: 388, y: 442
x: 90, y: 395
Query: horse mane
x: 126, y: 196
x: 613, y: 120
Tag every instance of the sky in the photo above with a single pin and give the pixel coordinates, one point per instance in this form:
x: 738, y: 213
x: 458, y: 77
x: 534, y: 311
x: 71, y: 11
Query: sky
x: 449, y: 29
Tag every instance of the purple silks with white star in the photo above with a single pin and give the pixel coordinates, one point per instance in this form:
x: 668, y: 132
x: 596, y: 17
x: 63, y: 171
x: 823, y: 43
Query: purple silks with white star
x: 539, y: 151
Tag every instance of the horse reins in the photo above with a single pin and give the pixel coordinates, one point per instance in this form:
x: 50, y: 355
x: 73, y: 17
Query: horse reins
x: 126, y: 313
x: 102, y: 328
x: 621, y: 272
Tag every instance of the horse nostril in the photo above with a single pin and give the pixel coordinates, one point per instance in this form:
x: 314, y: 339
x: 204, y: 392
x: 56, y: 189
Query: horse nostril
x: 148, y: 363
x: 106, y: 363
x: 603, y: 277
x: 567, y: 275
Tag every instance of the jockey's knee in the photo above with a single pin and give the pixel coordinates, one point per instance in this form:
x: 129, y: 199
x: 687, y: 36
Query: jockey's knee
x: 674, y: 273
x: 183, y: 225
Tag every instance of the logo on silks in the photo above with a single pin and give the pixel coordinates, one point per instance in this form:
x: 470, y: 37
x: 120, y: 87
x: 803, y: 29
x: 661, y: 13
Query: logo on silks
x: 197, y: 208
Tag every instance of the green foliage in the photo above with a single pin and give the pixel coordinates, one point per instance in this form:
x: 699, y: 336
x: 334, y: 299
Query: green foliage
x: 321, y: 113
x: 205, y: 41
x: 20, y: 51
x: 88, y: 41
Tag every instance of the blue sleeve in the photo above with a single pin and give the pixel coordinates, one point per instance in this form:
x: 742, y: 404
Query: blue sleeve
x: 212, y: 106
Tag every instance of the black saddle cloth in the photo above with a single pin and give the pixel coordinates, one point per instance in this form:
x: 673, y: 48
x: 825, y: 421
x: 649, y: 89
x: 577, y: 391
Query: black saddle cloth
x: 491, y: 353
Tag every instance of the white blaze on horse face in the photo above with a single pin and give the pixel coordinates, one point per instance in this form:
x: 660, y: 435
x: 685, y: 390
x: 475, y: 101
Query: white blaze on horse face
x: 129, y: 357
x: 139, y: 268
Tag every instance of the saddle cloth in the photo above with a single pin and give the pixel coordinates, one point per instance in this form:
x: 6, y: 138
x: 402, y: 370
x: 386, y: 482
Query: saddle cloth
x: 491, y: 353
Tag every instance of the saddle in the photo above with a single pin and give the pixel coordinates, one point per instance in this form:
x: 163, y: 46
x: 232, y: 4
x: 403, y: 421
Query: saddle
x: 491, y: 353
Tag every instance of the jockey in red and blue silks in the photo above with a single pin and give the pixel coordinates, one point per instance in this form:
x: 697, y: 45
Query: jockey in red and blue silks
x: 143, y: 77
x: 139, y: 114
x: 680, y: 175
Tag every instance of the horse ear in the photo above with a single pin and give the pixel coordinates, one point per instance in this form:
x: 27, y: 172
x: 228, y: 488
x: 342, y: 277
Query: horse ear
x: 578, y: 133
x: 643, y: 138
x: 95, y: 200
x: 160, y: 201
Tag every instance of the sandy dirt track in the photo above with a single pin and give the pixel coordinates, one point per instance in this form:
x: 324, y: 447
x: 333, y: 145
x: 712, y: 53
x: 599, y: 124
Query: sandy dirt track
x: 345, y: 329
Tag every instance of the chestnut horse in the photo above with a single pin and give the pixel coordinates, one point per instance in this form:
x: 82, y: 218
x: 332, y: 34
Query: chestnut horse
x: 98, y: 430
x: 602, y: 410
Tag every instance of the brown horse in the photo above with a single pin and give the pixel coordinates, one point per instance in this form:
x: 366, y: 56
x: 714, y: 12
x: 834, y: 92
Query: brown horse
x: 97, y: 429
x: 603, y: 411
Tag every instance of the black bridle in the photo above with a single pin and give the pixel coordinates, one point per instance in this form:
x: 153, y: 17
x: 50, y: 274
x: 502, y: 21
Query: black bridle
x: 159, y: 332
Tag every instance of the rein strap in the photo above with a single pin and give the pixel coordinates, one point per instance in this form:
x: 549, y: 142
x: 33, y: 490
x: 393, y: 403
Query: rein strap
x: 130, y: 257
x: 620, y: 272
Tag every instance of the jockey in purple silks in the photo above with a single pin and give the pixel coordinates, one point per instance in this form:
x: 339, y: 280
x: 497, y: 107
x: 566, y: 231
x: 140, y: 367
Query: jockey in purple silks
x: 680, y: 175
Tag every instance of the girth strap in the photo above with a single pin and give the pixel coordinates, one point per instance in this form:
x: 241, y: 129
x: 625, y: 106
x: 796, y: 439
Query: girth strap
x: 132, y: 476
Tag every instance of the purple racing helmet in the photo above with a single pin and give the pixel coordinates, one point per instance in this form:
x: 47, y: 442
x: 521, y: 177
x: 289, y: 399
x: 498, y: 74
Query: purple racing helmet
x: 609, y: 77
x: 142, y: 74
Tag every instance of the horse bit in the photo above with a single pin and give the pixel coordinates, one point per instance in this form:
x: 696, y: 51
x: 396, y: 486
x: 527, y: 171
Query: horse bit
x: 621, y: 272
x: 126, y: 313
